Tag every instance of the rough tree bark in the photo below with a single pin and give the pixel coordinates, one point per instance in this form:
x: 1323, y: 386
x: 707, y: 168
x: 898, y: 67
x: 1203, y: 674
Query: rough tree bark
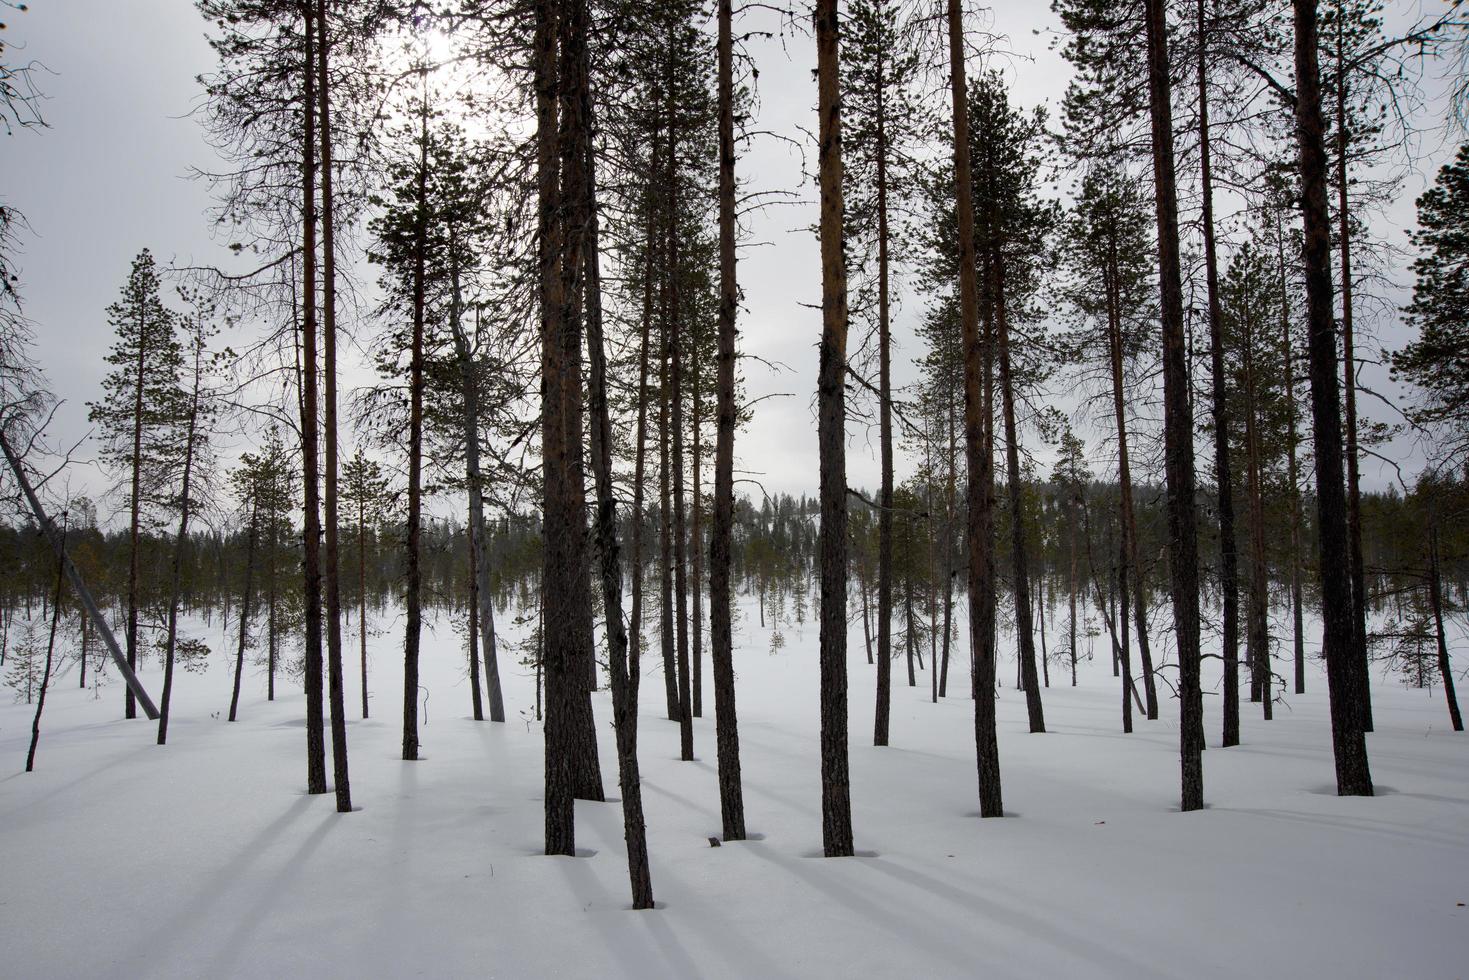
x: 310, y: 399
x: 1228, y: 547
x: 977, y: 533
x: 676, y: 427
x: 558, y: 518
x: 1349, y: 373
x: 414, y: 558
x: 721, y: 533
x: 1349, y: 743
x: 335, y: 701
x: 885, y: 433
x: 1178, y: 419
x: 836, y: 800
x: 624, y: 702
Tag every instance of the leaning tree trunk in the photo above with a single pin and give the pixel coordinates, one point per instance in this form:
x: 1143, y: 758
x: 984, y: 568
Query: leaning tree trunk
x: 977, y: 532
x: 245, y: 596
x: 1435, y: 599
x: 1349, y: 743
x: 50, y: 654
x: 74, y: 576
x: 721, y: 533
x: 624, y: 703
x: 1178, y: 436
x: 836, y: 800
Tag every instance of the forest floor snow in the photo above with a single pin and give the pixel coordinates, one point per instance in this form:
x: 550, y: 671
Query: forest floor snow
x: 206, y: 858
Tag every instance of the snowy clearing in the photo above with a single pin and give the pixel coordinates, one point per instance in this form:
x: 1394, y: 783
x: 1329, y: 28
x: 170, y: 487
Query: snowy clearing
x: 206, y: 858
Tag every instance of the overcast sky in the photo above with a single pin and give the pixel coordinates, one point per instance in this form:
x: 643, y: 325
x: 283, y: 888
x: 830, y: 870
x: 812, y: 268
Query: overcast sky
x: 109, y: 176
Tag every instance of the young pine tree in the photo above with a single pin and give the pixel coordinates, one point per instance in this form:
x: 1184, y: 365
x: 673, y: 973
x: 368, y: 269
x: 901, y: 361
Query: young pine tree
x: 142, y: 399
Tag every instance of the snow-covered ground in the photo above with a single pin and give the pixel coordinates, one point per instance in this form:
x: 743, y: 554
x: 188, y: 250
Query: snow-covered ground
x: 205, y: 858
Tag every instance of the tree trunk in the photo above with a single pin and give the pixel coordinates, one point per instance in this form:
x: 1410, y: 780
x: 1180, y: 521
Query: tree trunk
x: 624, y: 704
x: 414, y: 561
x: 1024, y: 624
x: 635, y: 620
x: 1124, y: 486
x: 245, y: 609
x: 1178, y: 420
x: 1128, y: 690
x: 180, y: 546
x: 50, y: 652
x: 74, y: 576
x: 559, y: 520
x: 575, y: 144
x: 836, y: 801
x: 270, y: 617
x: 721, y: 598
x: 908, y: 631
x: 885, y: 434
x: 1071, y: 586
x: 1292, y: 477
x: 480, y: 595
x: 1349, y: 744
x: 950, y: 509
x: 361, y: 595
x: 1435, y: 598
x: 981, y: 582
x: 1228, y: 551
x: 1257, y: 624
x: 476, y: 701
x: 665, y: 502
x: 862, y: 589
x: 1349, y: 371
x: 310, y: 466
x: 675, y: 395
x: 335, y: 700
x: 135, y: 503
x: 696, y: 535
x: 82, y: 683
x: 580, y: 295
